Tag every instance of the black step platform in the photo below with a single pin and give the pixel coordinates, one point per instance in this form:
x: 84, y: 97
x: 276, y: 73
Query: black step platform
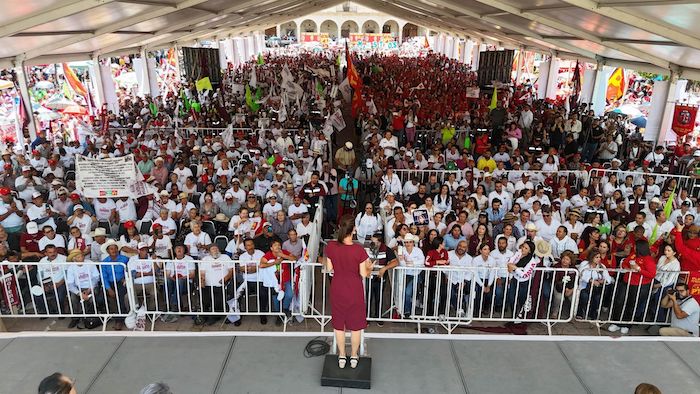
x: 358, y: 378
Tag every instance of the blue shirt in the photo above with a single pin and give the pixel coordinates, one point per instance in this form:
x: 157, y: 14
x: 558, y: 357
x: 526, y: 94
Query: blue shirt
x: 451, y: 242
x: 112, y: 273
x: 497, y: 216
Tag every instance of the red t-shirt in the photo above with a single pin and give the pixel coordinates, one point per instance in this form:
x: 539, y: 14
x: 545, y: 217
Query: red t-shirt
x: 435, y: 255
x: 645, y: 275
x: 286, y: 274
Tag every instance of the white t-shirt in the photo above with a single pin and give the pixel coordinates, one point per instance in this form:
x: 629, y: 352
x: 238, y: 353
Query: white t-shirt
x: 126, y: 210
x: 57, y: 241
x: 293, y: 210
x: 192, y: 241
x: 270, y: 210
x: 180, y: 267
x: 215, y: 270
x: 103, y: 210
x: 415, y: 258
x: 690, y: 322
x: 137, y: 265
x: 54, y: 271
x: 84, y: 276
x: 163, y: 246
x: 465, y: 261
x: 247, y: 259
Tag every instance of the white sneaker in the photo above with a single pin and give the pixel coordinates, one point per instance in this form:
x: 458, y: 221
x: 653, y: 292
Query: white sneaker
x: 613, y: 328
x: 624, y: 330
x: 460, y: 313
x: 442, y: 317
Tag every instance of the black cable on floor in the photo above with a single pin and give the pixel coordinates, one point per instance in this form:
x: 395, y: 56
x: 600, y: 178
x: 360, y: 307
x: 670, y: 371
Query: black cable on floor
x: 316, y: 347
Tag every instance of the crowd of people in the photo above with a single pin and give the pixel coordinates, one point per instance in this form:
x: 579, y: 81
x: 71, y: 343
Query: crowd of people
x: 434, y: 179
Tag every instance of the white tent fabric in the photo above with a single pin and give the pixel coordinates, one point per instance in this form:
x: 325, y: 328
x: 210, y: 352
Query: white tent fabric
x: 653, y: 35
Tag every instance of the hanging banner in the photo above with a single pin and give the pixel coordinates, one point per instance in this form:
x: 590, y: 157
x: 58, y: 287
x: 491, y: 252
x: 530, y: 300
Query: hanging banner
x: 684, y: 119
x: 105, y: 178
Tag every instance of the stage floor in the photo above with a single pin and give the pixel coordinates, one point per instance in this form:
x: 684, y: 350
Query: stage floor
x: 213, y: 363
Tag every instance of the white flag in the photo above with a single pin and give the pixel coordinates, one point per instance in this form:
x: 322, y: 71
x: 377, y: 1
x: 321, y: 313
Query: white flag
x: 253, y: 78
x: 345, y: 90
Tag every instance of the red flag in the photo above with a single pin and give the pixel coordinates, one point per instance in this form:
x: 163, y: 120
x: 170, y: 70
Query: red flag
x: 355, y: 82
x: 73, y: 81
x: 684, y: 119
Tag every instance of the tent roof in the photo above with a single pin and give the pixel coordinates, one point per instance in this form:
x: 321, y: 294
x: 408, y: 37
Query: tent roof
x: 652, y: 35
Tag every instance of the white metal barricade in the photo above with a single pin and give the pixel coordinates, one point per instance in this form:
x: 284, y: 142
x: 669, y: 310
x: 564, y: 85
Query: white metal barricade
x: 441, y: 176
x: 209, y: 290
x: 639, y: 178
x: 607, y: 298
x: 457, y: 296
x: 63, y: 289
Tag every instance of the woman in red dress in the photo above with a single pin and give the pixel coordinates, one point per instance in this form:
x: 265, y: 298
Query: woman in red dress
x: 349, y: 263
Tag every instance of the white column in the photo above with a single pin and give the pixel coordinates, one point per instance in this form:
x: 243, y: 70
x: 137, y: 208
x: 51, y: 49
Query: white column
x: 553, y: 74
x: 27, y: 100
x: 519, y: 66
x: 468, y: 52
x: 675, y: 90
x: 600, y: 89
x: 96, y: 81
x: 589, y: 77
x: 543, y: 79
x: 475, y: 54
x: 141, y: 69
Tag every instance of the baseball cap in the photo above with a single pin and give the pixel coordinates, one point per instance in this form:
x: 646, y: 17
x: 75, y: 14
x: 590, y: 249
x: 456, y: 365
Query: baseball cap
x: 26, y: 168
x: 79, y: 206
x: 5, y: 191
x: 127, y: 224
x: 36, y: 195
x: 142, y: 245
x: 32, y: 228
x: 75, y: 195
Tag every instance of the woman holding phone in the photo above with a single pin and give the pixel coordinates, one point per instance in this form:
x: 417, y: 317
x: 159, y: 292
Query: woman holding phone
x: 350, y: 264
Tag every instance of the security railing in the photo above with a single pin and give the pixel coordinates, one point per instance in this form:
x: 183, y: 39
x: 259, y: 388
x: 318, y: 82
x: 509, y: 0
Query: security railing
x: 608, y: 297
x: 683, y: 182
x: 86, y: 290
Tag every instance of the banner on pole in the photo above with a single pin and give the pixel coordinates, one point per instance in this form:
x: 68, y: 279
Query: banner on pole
x: 684, y: 119
x: 105, y: 178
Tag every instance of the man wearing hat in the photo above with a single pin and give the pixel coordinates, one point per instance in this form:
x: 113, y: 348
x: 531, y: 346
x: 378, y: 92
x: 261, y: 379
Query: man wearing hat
x: 530, y: 234
x: 28, y: 184
x: 40, y: 212
x: 345, y: 157
x: 114, y: 278
x: 143, y: 276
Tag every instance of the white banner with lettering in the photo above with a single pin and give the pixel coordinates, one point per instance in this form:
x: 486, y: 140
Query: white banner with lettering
x: 108, y: 178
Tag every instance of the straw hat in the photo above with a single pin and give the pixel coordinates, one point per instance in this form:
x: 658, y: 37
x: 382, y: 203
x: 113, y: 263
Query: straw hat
x: 531, y: 227
x: 543, y: 249
x: 220, y: 217
x: 107, y: 244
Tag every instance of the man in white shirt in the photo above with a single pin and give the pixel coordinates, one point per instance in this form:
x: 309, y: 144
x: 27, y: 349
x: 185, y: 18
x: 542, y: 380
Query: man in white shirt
x: 640, y: 220
x: 500, y: 193
x: 685, y: 313
x: 126, y: 211
x: 562, y: 242
x: 82, y: 279
x: 249, y: 265
x: 179, y: 274
x: 214, y: 273
x: 51, y: 276
x: 297, y: 210
x: 526, y: 117
x: 272, y: 207
x: 50, y: 238
x: 391, y: 182
x: 547, y: 225
x: 161, y: 245
x: 581, y: 199
x: 390, y: 144
x: 459, y: 280
x: 143, y: 275
x: 11, y: 211
x: 197, y: 241
x: 105, y: 209
x: 236, y: 191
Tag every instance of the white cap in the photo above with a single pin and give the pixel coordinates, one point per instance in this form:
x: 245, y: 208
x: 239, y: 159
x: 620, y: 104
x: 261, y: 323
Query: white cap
x: 271, y: 194
x: 142, y: 245
x: 280, y: 172
x: 369, y: 163
x: 78, y: 206
x: 164, y: 193
x: 36, y: 195
x: 348, y: 145
x: 697, y: 153
x: 32, y: 228
x: 26, y: 168
x: 656, y: 200
x: 228, y: 195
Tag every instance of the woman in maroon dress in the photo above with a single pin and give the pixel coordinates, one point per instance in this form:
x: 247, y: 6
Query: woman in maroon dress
x: 349, y: 263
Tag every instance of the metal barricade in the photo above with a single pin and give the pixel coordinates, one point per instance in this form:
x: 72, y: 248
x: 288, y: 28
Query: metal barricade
x: 605, y: 297
x: 683, y: 181
x: 64, y: 289
x: 453, y: 297
x: 210, y: 289
x: 202, y: 132
x: 424, y: 176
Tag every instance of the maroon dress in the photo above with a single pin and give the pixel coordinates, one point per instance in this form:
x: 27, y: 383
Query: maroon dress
x: 348, y: 308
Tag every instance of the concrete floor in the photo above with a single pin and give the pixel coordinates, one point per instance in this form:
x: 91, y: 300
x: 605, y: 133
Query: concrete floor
x: 108, y: 364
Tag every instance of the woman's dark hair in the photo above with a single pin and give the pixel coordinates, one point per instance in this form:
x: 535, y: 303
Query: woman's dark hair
x: 459, y: 227
x: 586, y: 235
x: 56, y: 383
x: 437, y: 241
x: 641, y: 248
x: 347, y: 224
